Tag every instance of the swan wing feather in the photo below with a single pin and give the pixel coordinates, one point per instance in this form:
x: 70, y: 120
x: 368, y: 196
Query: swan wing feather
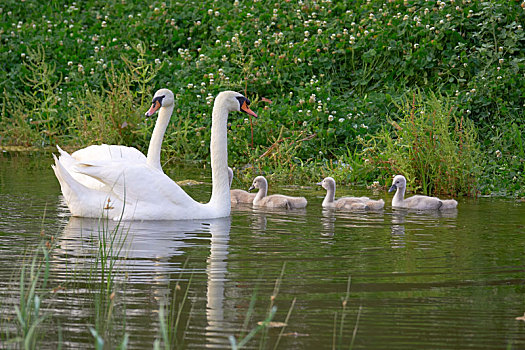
x: 109, y: 152
x: 135, y: 182
x: 423, y: 202
x: 282, y: 201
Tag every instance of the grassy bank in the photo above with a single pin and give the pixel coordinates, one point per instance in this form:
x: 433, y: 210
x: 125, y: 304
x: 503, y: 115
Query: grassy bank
x: 81, y: 73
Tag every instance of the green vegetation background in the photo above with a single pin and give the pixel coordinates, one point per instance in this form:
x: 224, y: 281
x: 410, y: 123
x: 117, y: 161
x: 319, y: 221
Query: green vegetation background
x: 348, y: 80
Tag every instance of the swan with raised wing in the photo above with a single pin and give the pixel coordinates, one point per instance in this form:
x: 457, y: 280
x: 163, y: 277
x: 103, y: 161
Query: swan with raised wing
x: 163, y: 102
x: 139, y: 191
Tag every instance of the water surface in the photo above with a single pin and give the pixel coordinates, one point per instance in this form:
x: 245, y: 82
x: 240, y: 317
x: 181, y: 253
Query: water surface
x: 449, y: 280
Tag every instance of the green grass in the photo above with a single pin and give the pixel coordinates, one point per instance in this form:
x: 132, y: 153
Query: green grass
x: 433, y: 147
x: 82, y: 73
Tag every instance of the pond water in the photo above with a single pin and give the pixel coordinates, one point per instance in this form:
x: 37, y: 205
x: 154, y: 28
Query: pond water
x: 417, y: 280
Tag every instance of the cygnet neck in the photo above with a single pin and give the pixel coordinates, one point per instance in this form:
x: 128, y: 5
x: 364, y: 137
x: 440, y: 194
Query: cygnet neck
x: 263, y: 190
x: 399, y: 196
x: 330, y: 194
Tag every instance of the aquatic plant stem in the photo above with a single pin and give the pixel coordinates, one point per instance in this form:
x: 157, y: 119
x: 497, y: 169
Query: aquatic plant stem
x: 285, y: 324
x: 354, y: 333
x: 345, y: 301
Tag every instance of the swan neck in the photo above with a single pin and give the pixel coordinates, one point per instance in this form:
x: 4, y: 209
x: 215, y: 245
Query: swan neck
x: 399, y: 197
x: 330, y: 196
x: 155, y: 144
x: 220, y: 194
x: 261, y: 194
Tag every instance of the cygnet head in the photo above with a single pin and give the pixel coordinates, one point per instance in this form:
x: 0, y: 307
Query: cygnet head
x: 259, y: 182
x: 328, y: 183
x: 162, y: 98
x: 398, y: 182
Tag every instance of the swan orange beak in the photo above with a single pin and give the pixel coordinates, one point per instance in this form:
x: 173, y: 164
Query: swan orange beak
x: 154, y: 107
x: 247, y: 109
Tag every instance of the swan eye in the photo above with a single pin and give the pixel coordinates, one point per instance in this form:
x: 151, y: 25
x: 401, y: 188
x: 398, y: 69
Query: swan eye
x: 243, y: 105
x: 158, y: 99
x: 242, y: 100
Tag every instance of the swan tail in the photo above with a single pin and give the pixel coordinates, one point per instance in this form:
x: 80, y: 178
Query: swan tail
x: 296, y: 203
x: 302, y: 203
x: 80, y: 199
x: 68, y: 184
x: 66, y: 160
x: 448, y: 204
x: 375, y: 205
x: 63, y: 153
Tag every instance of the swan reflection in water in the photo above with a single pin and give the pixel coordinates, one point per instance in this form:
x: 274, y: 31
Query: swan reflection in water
x: 427, y: 218
x: 328, y: 222
x: 348, y: 220
x: 144, y: 249
x: 254, y: 218
x: 259, y: 219
x: 397, y: 239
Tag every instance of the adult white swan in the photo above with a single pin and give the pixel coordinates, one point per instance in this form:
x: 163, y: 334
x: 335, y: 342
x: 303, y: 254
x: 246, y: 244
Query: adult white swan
x: 138, y: 191
x: 163, y: 101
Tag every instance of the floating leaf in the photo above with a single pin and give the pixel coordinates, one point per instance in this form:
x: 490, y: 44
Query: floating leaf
x: 272, y: 324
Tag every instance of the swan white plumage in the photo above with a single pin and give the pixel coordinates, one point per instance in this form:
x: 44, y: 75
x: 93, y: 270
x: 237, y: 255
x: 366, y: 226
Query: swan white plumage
x: 347, y: 203
x: 239, y: 196
x: 138, y: 191
x: 163, y: 101
x: 418, y: 201
x: 275, y: 200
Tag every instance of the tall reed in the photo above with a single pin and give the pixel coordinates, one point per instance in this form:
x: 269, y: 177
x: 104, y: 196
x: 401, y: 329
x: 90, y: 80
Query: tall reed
x: 32, y: 293
x: 338, y: 335
x: 434, y: 147
x: 28, y: 312
x: 102, y: 281
x: 32, y: 118
x: 172, y: 335
x: 263, y: 326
